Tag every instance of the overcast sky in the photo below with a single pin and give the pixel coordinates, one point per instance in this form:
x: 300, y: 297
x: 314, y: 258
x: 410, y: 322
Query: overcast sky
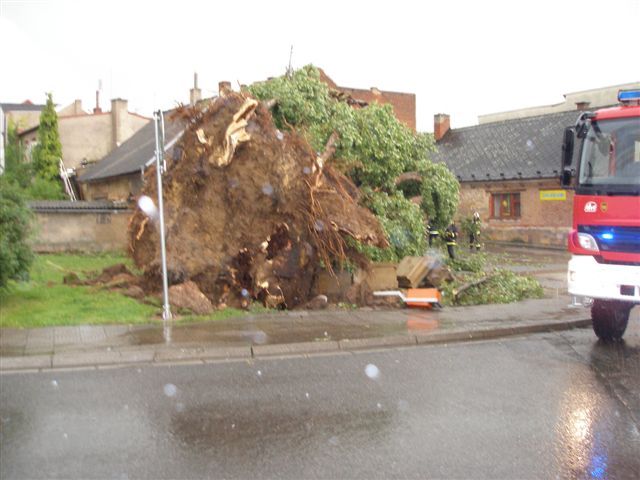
x: 464, y: 58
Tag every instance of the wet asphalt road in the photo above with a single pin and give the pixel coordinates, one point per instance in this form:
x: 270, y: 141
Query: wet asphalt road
x: 555, y: 405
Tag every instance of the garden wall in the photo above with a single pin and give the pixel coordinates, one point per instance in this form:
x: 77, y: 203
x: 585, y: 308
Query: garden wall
x: 62, y: 226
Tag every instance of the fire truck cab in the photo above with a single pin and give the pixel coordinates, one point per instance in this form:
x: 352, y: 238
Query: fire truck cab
x: 605, y: 238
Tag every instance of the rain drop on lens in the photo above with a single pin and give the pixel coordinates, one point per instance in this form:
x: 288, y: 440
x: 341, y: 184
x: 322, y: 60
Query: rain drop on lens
x: 267, y: 189
x: 170, y: 390
x: 319, y: 225
x: 54, y: 383
x: 306, y: 170
x: 372, y: 371
x: 259, y: 373
x: 244, y: 292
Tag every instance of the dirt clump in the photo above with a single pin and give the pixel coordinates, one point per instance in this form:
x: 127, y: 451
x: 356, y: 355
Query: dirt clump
x: 250, y: 212
x: 188, y: 295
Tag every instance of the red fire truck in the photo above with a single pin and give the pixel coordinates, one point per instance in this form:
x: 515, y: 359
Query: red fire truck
x: 605, y: 239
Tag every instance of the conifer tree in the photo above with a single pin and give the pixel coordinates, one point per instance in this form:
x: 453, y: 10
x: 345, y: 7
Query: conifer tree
x: 48, y: 151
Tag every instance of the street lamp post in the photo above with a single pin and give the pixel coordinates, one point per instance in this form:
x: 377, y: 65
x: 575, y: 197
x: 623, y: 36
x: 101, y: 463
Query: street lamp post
x: 160, y: 167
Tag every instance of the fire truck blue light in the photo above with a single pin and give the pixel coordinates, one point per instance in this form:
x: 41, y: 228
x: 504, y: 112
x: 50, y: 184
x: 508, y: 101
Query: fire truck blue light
x: 628, y: 95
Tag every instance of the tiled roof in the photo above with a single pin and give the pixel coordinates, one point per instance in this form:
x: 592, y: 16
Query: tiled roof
x: 67, y: 206
x: 134, y: 154
x: 22, y: 107
x: 512, y: 149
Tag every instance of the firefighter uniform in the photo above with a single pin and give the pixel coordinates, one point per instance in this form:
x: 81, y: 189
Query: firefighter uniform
x: 432, y: 233
x: 451, y: 237
x: 474, y: 233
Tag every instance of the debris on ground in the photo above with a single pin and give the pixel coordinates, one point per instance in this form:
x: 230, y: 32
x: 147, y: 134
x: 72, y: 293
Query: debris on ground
x: 425, y: 271
x: 250, y: 212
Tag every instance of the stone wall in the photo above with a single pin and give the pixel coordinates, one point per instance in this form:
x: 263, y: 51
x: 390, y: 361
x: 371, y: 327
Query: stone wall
x: 80, y: 226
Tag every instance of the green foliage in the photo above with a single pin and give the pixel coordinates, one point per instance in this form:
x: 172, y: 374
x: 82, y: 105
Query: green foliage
x: 15, y: 220
x: 374, y: 147
x: 474, y: 262
x: 401, y: 221
x: 22, y: 174
x: 504, y: 286
x: 48, y: 151
x: 440, y: 193
x: 43, y: 189
x: 16, y: 170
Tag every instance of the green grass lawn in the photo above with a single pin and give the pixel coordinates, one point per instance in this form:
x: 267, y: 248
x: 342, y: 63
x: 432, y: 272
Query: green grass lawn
x: 45, y: 301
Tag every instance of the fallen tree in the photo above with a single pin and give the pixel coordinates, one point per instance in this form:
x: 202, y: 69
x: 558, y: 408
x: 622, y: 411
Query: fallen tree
x: 250, y: 212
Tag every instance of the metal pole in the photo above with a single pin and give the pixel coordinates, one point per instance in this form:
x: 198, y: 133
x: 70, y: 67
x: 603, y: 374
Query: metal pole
x: 164, y: 160
x: 166, y: 309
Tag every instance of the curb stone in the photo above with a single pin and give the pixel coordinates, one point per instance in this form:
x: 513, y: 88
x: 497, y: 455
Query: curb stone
x: 167, y: 355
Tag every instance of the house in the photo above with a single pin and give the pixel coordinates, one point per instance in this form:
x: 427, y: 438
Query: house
x: 119, y: 175
x: 23, y: 115
x: 509, y: 173
x: 403, y: 104
x: 88, y: 137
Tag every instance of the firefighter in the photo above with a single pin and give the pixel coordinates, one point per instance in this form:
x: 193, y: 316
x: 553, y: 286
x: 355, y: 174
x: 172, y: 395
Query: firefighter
x: 474, y: 233
x: 432, y: 233
x: 451, y: 237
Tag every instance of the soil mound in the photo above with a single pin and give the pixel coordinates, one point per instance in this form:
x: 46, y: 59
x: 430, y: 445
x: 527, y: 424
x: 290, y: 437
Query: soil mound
x: 250, y: 212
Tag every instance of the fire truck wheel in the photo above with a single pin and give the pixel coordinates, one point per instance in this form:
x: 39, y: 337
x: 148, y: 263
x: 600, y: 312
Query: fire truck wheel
x: 609, y: 318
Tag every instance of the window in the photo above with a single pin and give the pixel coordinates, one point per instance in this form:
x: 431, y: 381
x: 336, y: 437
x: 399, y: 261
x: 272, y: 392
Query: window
x: 505, y: 205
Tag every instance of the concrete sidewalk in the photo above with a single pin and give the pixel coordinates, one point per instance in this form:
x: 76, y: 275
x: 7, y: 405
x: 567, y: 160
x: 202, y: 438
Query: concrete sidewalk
x: 297, y: 332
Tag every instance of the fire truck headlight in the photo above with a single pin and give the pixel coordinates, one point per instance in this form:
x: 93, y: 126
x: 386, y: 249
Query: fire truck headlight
x: 587, y: 242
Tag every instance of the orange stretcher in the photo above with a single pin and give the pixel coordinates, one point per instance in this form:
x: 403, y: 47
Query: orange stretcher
x: 415, y: 297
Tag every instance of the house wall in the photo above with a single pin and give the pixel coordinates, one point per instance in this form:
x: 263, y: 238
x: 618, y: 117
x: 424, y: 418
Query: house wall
x: 84, y: 137
x: 116, y: 188
x: 81, y: 231
x: 92, y: 137
x: 23, y: 120
x: 541, y: 222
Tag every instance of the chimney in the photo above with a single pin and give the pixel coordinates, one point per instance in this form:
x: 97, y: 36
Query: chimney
x: 582, y: 106
x: 97, y: 108
x: 224, y: 88
x: 77, y: 107
x: 441, y: 125
x: 195, y: 94
x: 119, y: 122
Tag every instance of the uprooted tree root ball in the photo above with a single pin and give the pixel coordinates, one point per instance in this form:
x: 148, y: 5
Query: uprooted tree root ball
x: 250, y: 212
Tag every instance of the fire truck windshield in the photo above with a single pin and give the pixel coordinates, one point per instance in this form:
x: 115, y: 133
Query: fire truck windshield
x: 610, y: 160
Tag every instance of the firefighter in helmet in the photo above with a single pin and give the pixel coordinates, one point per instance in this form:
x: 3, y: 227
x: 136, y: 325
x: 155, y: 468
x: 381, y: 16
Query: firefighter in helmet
x: 451, y: 237
x: 474, y: 233
x: 432, y: 232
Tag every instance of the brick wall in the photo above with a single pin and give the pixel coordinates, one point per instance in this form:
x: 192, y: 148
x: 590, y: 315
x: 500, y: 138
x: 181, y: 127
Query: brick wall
x: 541, y: 222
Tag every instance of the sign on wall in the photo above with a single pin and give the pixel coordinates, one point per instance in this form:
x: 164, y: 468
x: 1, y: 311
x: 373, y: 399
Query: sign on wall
x: 557, y: 195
